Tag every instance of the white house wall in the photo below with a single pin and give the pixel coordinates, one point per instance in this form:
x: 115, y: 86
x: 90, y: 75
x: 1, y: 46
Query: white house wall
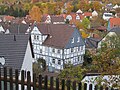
x: 27, y: 63
x: 65, y: 55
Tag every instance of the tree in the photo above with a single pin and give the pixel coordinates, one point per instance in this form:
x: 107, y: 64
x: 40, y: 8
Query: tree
x: 107, y: 61
x: 35, y: 13
x: 86, y: 23
x: 39, y: 66
x: 97, y: 6
x: 71, y: 72
x: 69, y: 8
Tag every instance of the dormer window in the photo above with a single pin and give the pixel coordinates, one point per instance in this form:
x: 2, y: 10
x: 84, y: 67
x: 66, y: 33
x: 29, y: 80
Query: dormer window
x: 78, y: 39
x: 72, y: 40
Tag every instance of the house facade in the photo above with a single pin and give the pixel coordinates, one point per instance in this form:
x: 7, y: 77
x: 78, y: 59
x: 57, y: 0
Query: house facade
x: 58, y: 44
x: 16, y: 52
x: 99, y: 79
x: 112, y: 35
x: 113, y: 22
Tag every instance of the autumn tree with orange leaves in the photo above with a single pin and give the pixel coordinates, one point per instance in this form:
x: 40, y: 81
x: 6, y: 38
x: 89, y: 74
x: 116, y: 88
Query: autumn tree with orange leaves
x: 35, y: 13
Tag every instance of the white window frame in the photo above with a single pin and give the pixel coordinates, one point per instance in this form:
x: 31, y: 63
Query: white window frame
x: 78, y: 39
x: 53, y: 50
x: 53, y: 61
x: 59, y: 62
x: 72, y: 40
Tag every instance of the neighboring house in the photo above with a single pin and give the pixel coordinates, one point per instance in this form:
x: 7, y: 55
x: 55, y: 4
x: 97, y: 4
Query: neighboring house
x: 73, y: 17
x: 87, y: 14
x: 15, y: 28
x: 117, y: 15
x: 107, y: 16
x: 102, y: 28
x: 97, y: 79
x: 54, y: 19
x: 116, y: 6
x: 8, y: 18
x: 94, y: 14
x: 79, y: 11
x: 113, y: 32
x: 113, y: 22
x: 16, y: 52
x: 58, y: 44
x: 92, y: 44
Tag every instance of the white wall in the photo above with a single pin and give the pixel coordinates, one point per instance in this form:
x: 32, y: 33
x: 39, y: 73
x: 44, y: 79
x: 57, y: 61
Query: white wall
x: 27, y: 63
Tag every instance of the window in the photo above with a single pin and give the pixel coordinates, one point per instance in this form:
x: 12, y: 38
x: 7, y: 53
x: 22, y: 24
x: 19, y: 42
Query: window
x: 53, y: 60
x: 53, y: 50
x: 78, y: 48
x: 59, y: 62
x: 71, y: 49
x: 58, y: 51
x: 37, y: 37
x: 81, y: 48
x: 40, y: 50
x: 78, y: 39
x: 72, y: 40
x: 79, y: 58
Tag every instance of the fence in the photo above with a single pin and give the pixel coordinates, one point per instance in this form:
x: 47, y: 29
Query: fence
x: 40, y: 83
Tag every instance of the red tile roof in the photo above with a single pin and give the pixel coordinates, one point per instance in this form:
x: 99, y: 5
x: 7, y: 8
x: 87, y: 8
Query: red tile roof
x: 114, y: 22
x: 103, y: 28
x: 87, y: 14
x: 8, y: 18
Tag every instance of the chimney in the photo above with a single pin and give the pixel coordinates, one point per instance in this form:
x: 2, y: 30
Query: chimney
x: 14, y: 38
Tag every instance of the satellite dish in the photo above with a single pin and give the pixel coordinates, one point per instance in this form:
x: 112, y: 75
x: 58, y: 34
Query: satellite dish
x: 2, y: 60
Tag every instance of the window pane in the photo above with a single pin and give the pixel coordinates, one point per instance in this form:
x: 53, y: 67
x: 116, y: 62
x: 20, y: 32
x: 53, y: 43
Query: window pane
x: 59, y: 62
x: 53, y: 60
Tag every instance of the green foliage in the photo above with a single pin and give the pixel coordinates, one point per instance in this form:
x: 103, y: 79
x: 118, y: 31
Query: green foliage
x: 71, y: 72
x: 87, y: 59
x: 107, y: 60
x: 39, y: 66
x: 86, y: 23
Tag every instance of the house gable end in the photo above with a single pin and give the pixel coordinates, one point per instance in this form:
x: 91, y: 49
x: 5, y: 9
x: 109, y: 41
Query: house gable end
x: 35, y: 30
x: 75, y: 40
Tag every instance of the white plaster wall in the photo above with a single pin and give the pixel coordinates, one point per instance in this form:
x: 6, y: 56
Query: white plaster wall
x: 27, y: 63
x: 93, y: 80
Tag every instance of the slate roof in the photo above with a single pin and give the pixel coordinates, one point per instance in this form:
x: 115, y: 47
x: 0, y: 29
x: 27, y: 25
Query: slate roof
x: 116, y: 30
x: 58, y: 34
x: 91, y: 42
x: 13, y: 48
x: 15, y: 28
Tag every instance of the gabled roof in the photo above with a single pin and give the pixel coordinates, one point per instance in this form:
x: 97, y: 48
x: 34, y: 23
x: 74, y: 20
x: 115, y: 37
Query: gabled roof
x: 114, y: 22
x: 13, y: 48
x: 8, y: 18
x: 54, y: 18
x: 18, y: 28
x: 91, y: 42
x: 116, y: 30
x: 58, y: 34
x: 87, y: 14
